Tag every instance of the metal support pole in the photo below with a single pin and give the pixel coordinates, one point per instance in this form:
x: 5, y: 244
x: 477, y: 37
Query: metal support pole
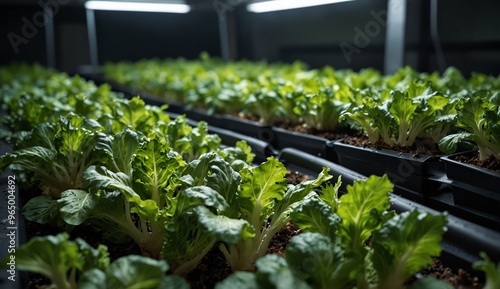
x: 435, y: 37
x: 92, y: 33
x: 395, y: 36
x: 50, y: 42
x: 224, y: 37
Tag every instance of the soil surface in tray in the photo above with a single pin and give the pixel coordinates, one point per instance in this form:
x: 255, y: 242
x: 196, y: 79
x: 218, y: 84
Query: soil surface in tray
x: 490, y: 163
x: 342, y: 132
x: 421, y: 146
x: 213, y: 267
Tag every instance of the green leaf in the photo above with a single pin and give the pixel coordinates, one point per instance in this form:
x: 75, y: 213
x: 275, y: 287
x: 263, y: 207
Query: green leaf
x: 136, y: 272
x: 147, y: 209
x: 153, y: 165
x: 449, y: 143
x: 247, y: 154
x: 492, y: 271
x: 213, y: 171
x: 124, y: 146
x: 41, y: 209
x: 173, y: 282
x: 199, y: 195
x: 418, y: 238
x: 225, y: 180
x: 76, y: 205
x: 330, y: 195
x: 92, y: 257
x: 93, y: 279
x: 111, y: 217
x: 320, y: 261
x: 185, y: 243
x: 274, y: 272
x: 313, y: 215
x: 240, y: 280
x: 362, y: 208
x: 226, y: 229
x: 98, y: 178
x: 295, y: 194
x: 430, y: 282
x: 261, y: 187
x: 403, y: 109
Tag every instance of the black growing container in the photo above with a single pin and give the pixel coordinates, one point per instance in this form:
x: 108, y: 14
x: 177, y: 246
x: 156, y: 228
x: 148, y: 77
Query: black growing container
x: 260, y: 148
x: 473, y: 187
x: 413, y: 175
x: 463, y: 240
x: 311, y: 144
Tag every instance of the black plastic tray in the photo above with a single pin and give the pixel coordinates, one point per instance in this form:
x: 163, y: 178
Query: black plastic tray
x: 414, y: 175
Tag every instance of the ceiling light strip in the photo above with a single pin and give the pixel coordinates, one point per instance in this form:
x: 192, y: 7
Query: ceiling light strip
x: 277, y: 5
x: 138, y: 6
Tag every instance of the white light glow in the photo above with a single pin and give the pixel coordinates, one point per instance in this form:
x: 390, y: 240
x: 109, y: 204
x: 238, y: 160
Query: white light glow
x: 137, y: 6
x: 276, y: 5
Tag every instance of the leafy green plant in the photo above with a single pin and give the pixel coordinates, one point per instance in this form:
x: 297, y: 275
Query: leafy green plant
x: 31, y: 102
x: 399, y: 117
x: 321, y: 110
x: 55, y: 155
x: 478, y: 115
x: 265, y: 203
x: 72, y: 264
x: 353, y: 242
x: 164, y: 203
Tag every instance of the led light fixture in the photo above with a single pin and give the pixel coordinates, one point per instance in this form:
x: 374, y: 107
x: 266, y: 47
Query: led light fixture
x: 276, y: 5
x: 138, y: 6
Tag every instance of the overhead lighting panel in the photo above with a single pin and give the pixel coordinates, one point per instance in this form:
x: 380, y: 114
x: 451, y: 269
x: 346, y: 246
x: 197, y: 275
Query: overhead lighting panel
x: 277, y: 5
x: 138, y: 6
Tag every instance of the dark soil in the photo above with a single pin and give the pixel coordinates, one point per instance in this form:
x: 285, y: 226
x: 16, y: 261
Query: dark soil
x: 296, y: 178
x: 421, y: 146
x: 460, y: 280
x: 490, y: 163
x: 341, y: 132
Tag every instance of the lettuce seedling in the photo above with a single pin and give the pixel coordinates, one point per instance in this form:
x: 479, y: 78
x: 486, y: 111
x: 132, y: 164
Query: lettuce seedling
x: 265, y: 203
x: 143, y: 194
x: 478, y: 115
x: 321, y: 110
x: 400, y: 116
x: 56, y: 154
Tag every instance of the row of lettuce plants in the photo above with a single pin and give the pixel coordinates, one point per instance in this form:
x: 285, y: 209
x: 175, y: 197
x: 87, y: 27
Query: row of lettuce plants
x: 132, y: 173
x: 396, y: 109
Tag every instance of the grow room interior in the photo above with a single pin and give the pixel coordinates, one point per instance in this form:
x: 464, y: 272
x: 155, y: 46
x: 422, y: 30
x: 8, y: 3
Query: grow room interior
x: 250, y: 144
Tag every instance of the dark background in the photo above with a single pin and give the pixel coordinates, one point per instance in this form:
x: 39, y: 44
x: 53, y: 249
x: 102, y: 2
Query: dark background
x: 469, y: 32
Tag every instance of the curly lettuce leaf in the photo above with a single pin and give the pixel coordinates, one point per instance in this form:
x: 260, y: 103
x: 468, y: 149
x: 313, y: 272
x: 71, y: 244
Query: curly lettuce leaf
x: 321, y: 262
x: 406, y: 244
x: 362, y: 210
